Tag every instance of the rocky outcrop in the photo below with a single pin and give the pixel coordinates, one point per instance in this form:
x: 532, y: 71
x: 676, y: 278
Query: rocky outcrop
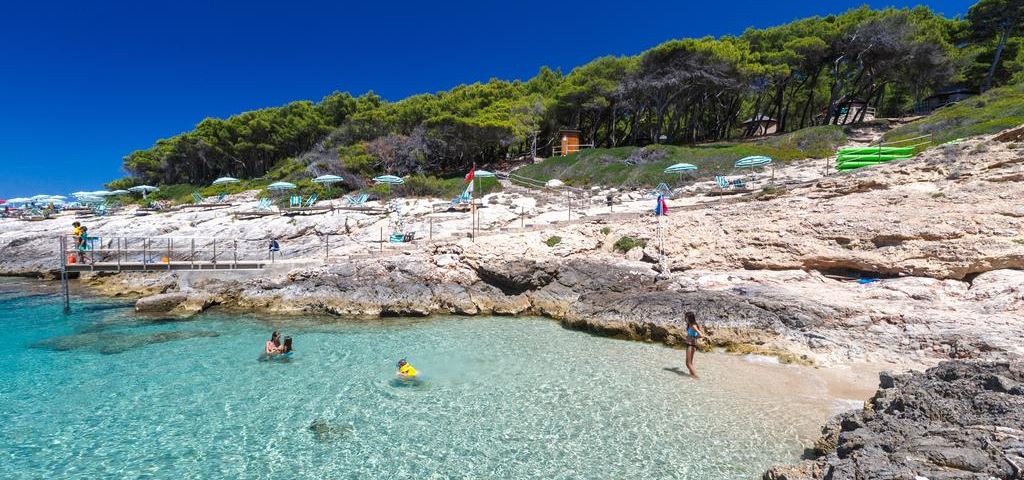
x: 958, y: 420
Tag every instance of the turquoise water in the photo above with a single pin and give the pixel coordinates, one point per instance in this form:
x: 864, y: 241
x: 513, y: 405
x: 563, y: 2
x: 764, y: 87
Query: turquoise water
x: 102, y: 394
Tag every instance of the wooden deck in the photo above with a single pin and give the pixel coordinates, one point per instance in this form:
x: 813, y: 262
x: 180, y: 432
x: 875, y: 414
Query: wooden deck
x: 157, y: 267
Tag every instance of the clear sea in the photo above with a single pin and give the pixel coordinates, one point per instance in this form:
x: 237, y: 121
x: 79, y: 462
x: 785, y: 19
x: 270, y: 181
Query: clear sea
x: 102, y: 393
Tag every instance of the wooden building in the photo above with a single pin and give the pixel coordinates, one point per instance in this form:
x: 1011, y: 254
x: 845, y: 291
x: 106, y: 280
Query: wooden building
x: 570, y: 142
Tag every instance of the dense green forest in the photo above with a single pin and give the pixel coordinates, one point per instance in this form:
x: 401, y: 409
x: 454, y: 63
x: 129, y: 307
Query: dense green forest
x: 681, y: 92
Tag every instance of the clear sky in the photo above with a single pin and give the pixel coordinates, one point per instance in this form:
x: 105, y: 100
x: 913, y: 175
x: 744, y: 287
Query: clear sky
x: 82, y: 83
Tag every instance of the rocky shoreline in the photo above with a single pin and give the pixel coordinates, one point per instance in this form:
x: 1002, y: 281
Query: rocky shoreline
x: 958, y: 420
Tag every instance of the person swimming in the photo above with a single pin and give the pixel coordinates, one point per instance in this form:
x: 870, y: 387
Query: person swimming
x: 693, y: 335
x: 286, y: 347
x: 273, y: 346
x: 406, y: 371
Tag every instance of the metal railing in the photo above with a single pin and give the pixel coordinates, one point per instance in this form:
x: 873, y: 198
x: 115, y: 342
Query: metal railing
x: 117, y: 253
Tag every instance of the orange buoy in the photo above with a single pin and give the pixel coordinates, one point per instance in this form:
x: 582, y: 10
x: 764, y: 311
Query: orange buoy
x: 71, y: 259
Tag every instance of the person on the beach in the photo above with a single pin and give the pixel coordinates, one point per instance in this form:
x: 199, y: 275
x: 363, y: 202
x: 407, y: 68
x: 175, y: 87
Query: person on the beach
x: 76, y: 231
x: 82, y: 243
x: 406, y: 370
x: 274, y: 345
x: 693, y: 334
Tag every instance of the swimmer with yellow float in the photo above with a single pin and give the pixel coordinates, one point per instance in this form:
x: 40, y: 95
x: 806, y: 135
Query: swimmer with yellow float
x: 406, y: 371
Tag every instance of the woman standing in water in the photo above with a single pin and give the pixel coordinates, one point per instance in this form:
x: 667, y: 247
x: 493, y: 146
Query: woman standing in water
x: 693, y: 334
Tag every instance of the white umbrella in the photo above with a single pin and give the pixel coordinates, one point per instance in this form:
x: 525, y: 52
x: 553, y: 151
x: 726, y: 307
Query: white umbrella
x: 144, y: 189
x: 280, y: 186
x: 327, y: 179
x: 389, y: 180
x: 58, y: 197
x: 120, y: 192
x: 483, y: 174
x: 19, y: 200
x: 225, y: 180
x: 100, y: 193
x: 39, y: 198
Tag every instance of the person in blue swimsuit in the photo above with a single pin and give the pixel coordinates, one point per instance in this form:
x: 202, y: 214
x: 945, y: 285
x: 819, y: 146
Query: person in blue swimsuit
x: 693, y: 334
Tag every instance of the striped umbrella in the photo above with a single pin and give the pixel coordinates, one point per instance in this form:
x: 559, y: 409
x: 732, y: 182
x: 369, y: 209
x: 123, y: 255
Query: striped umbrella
x: 144, y: 189
x: 120, y: 192
x: 681, y: 167
x: 389, y: 180
x: 328, y: 179
x: 483, y: 174
x: 756, y: 161
x: 225, y: 180
x: 280, y: 186
x: 19, y: 201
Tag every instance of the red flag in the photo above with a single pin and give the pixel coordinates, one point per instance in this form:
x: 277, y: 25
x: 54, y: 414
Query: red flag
x: 469, y: 176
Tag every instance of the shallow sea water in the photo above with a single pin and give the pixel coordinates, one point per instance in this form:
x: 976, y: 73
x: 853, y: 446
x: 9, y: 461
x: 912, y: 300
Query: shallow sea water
x: 102, y: 393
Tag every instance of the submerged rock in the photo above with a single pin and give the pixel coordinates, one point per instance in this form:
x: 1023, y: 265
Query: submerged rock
x: 958, y: 420
x: 110, y: 343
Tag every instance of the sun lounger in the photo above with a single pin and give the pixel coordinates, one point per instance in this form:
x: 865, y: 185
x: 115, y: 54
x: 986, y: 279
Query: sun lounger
x: 722, y: 181
x: 311, y: 201
x: 295, y: 201
x: 357, y: 200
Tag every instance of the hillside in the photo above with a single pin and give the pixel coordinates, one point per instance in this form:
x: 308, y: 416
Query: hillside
x: 644, y: 166
x: 989, y: 113
x: 681, y: 92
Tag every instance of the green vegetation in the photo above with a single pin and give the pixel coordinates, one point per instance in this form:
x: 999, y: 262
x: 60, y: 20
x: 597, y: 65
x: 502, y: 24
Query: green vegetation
x: 628, y: 243
x: 553, y: 240
x: 606, y: 230
x: 682, y: 92
x: 995, y: 110
x: 646, y: 165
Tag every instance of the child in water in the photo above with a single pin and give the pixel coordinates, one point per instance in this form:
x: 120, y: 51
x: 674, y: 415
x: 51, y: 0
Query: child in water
x: 406, y: 370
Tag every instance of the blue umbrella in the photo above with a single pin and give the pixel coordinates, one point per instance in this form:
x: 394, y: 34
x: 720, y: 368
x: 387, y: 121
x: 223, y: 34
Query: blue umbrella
x: 681, y: 167
x: 144, y: 189
x: 755, y: 161
x: 389, y: 180
x: 280, y: 186
x: 225, y: 180
x: 328, y: 179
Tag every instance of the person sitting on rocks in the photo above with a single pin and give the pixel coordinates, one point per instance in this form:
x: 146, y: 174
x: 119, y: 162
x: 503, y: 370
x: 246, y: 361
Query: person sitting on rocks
x: 693, y: 334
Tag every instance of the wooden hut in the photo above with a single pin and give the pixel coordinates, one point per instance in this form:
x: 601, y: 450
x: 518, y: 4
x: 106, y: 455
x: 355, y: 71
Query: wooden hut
x: 570, y: 141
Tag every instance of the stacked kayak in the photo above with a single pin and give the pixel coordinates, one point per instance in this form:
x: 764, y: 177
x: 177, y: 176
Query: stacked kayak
x: 850, y: 158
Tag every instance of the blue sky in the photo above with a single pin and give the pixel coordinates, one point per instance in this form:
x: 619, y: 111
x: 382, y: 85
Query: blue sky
x: 84, y: 83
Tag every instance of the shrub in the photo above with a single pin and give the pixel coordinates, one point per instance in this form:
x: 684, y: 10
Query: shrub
x: 628, y: 243
x: 553, y: 240
x: 606, y: 230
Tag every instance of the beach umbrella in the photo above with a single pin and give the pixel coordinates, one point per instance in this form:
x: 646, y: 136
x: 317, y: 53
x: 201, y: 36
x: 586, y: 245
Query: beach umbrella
x: 90, y: 199
x: 225, y: 180
x: 681, y: 167
x: 756, y: 161
x: 39, y: 198
x: 484, y: 174
x: 2, y: 201
x: 144, y: 189
x: 120, y: 192
x: 280, y: 186
x: 19, y: 201
x: 389, y: 180
x: 327, y: 179
x: 58, y: 197
x: 99, y: 193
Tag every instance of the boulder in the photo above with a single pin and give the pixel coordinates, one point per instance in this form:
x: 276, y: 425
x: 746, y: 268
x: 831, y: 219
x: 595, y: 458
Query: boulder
x: 160, y: 303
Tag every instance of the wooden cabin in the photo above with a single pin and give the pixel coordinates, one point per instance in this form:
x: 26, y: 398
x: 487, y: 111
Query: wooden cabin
x: 943, y: 97
x: 760, y: 125
x: 570, y: 141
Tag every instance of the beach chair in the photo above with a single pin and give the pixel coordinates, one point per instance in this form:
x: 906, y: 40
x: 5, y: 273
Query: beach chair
x: 465, y: 197
x: 722, y: 181
x: 295, y: 201
x: 738, y: 183
x: 264, y: 204
x: 197, y: 198
x: 100, y: 209
x: 311, y: 201
x: 356, y: 200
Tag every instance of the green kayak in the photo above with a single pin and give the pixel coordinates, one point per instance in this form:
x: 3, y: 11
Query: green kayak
x: 868, y: 158
x: 882, y: 150
x: 853, y: 165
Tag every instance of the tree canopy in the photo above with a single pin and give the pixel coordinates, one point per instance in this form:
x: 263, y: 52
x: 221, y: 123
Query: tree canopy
x: 684, y: 91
